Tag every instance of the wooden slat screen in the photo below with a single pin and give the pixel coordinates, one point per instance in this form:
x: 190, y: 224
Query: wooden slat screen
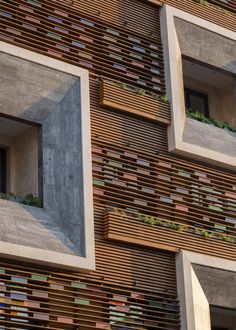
x: 137, y: 16
x: 121, y: 98
x: 81, y: 40
x: 124, y: 130
x: 34, y: 298
x: 168, y: 236
x: 165, y: 186
x: 226, y: 4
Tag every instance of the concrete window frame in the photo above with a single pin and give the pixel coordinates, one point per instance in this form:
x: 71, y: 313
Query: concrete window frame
x: 195, y: 309
x: 86, y: 262
x: 175, y: 87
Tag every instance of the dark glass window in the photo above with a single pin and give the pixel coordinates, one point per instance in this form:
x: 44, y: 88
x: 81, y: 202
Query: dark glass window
x: 2, y: 170
x: 196, y: 101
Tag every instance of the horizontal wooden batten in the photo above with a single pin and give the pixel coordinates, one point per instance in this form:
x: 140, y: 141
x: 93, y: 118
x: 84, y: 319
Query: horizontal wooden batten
x: 74, y: 37
x: 116, y: 97
x: 167, y: 187
x: 36, y: 298
x: 143, y: 240
x: 130, y: 229
x: 122, y: 13
x: 122, y: 130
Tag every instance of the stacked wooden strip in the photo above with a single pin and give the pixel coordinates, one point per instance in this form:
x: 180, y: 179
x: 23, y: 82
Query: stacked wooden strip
x: 122, y: 13
x: 76, y: 38
x: 34, y: 298
x: 115, y: 97
x: 166, y: 187
x: 122, y: 130
x: 131, y: 230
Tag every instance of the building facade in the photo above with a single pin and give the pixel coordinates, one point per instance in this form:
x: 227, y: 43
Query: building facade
x: 117, y: 164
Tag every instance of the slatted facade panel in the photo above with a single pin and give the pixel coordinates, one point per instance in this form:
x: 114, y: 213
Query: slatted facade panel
x: 166, y: 187
x: 121, y: 263
x: 170, y: 236
x: 33, y: 298
x: 148, y: 105
x: 215, y: 13
x: 142, y: 268
x: 120, y: 12
x: 81, y: 40
x: 226, y: 4
x: 123, y: 130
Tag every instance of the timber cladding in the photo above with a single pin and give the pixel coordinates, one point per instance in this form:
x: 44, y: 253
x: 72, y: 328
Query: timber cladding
x: 79, y: 39
x: 121, y: 97
x: 135, y: 179
x: 34, y: 298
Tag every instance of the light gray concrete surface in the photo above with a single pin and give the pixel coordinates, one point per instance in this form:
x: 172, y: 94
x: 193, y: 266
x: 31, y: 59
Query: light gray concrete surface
x: 31, y: 226
x: 51, y: 95
x: 173, y: 51
x: 210, y: 137
x: 206, y: 46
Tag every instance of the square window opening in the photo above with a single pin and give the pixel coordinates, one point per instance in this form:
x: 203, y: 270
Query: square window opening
x: 209, y: 91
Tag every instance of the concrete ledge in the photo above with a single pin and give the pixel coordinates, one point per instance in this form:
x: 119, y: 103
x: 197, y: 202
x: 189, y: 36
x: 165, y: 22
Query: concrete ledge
x: 210, y: 137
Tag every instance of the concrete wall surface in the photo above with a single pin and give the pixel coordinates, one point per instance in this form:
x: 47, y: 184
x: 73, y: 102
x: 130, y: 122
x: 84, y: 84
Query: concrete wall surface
x: 50, y: 96
x: 210, y: 137
x: 200, y: 40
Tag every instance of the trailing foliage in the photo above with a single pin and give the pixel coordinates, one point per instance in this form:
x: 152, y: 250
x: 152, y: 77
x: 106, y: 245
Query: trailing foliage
x: 152, y: 221
x: 217, y: 123
x: 29, y: 199
x: 141, y: 91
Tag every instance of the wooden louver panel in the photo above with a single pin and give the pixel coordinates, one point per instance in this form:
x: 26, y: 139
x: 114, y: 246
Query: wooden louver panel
x: 226, y: 4
x: 165, y: 187
x: 33, y: 298
x: 81, y: 40
x: 168, y: 236
x: 113, y: 96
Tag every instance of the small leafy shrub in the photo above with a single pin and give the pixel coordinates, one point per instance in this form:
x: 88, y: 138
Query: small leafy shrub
x: 32, y: 200
x: 29, y: 199
x: 215, y: 122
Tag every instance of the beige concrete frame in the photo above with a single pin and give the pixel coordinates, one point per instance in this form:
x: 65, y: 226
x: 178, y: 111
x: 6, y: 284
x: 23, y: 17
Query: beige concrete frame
x: 175, y: 89
x: 195, y: 312
x: 61, y: 260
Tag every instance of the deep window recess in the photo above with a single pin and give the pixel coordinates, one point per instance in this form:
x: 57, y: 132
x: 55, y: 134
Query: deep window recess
x: 196, y: 101
x: 2, y: 170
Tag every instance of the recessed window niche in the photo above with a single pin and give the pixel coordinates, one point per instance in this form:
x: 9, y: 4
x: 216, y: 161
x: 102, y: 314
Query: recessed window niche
x: 200, y: 71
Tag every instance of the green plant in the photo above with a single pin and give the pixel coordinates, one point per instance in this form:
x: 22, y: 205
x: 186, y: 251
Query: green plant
x: 140, y: 91
x: 215, y: 122
x: 150, y: 220
x: 164, y: 98
x: 32, y: 200
x: 29, y: 199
